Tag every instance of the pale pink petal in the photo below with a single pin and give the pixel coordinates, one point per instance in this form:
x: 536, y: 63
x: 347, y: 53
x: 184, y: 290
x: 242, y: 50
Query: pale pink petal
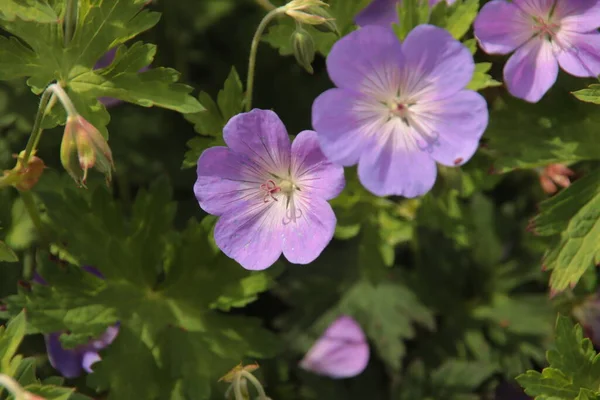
x: 578, y: 15
x: 501, y: 27
x: 395, y: 165
x: 459, y: 121
x: 531, y: 71
x: 261, y: 136
x: 367, y: 60
x: 345, y: 123
x: 341, y: 352
x: 307, y: 229
x: 579, y: 53
x: 316, y: 175
x: 251, y: 234
x: 436, y: 64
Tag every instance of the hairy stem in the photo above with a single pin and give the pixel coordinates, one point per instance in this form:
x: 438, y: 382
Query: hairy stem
x: 36, y: 131
x: 237, y: 387
x: 253, y: 50
x: 70, y: 20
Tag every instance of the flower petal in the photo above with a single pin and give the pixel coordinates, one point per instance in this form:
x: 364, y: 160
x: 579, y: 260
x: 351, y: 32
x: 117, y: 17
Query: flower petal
x: 345, y: 123
x: 307, y: 235
x: 341, y: 352
x: 314, y: 173
x: 251, y: 234
x: 536, y: 8
x: 67, y: 362
x: 436, y: 64
x: 106, y: 338
x: 260, y: 136
x: 531, y: 71
x: 501, y: 27
x: 225, y: 178
x: 367, y: 61
x: 580, y: 55
x: 458, y: 123
x: 578, y: 15
x: 378, y: 12
x: 396, y: 165
x: 89, y: 358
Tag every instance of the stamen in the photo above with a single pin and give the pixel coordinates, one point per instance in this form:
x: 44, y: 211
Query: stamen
x: 270, y: 187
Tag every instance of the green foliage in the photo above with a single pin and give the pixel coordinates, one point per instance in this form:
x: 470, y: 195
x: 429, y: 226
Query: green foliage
x: 102, y: 25
x: 573, y: 372
x: 481, y: 79
x: 590, y: 95
x: 23, y: 369
x: 210, y: 122
x: 457, y: 18
x: 410, y: 14
x: 573, y: 214
x: 28, y: 10
x: 7, y: 254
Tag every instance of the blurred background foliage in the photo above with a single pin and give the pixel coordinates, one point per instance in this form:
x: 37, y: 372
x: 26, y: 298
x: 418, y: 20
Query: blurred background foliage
x: 449, y: 287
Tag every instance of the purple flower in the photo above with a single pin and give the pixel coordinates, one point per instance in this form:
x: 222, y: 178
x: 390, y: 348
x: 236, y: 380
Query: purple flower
x: 545, y: 34
x: 383, y: 12
x: 271, y: 194
x: 341, y: 352
x: 104, y: 62
x: 72, y: 362
x: 587, y: 314
x: 399, y: 107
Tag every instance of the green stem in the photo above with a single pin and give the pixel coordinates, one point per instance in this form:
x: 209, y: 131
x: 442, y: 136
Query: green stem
x: 237, y: 390
x: 12, y: 386
x: 70, y: 20
x: 64, y: 99
x: 253, y: 50
x: 266, y: 4
x: 33, y: 211
x: 36, y: 131
x: 261, y: 392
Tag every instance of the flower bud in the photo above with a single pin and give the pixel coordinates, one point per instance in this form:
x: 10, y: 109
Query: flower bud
x: 304, y: 49
x: 24, y: 176
x: 555, y: 175
x: 83, y: 147
x: 329, y: 25
x: 306, y: 18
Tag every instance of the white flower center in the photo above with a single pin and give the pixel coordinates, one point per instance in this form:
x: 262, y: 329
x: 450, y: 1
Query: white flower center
x: 424, y: 138
x: 545, y: 27
x: 282, y: 189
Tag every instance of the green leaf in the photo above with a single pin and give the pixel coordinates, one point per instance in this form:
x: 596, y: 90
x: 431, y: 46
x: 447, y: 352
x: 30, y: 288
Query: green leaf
x: 574, y: 214
x: 481, y: 79
x: 410, y: 14
x: 460, y: 377
x: 590, y: 95
x: 28, y: 10
x: 10, y: 339
x: 573, y: 371
x: 210, y: 122
x: 7, y: 254
x: 461, y: 16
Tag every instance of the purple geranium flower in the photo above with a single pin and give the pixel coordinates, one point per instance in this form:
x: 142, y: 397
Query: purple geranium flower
x: 399, y: 108
x: 341, y: 352
x: 545, y: 34
x: 271, y: 195
x: 383, y: 12
x: 104, y: 62
x: 72, y: 362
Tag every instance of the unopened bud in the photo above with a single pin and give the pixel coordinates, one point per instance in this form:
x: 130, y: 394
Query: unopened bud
x: 304, y: 49
x: 83, y: 147
x: 306, y: 18
x: 555, y: 175
x: 24, y: 176
x: 328, y: 25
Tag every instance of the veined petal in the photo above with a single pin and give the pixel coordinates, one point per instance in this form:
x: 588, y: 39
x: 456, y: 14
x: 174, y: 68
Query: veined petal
x: 346, y: 123
x: 367, y: 61
x: 436, y: 64
x: 313, y: 172
x: 308, y: 228
x: 67, y: 362
x: 578, y: 15
x: 536, y: 8
x: 341, y: 352
x: 531, y: 71
x: 378, y: 12
x: 252, y: 233
x: 579, y: 53
x: 458, y: 123
x: 261, y: 137
x: 501, y: 27
x: 395, y: 165
x: 226, y: 178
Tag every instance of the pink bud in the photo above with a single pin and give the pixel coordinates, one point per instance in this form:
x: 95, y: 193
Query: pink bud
x: 24, y: 176
x: 83, y: 147
x: 554, y: 175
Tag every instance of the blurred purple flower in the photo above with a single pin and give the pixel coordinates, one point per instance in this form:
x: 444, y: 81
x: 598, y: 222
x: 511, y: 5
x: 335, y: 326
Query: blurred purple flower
x: 341, y: 352
x: 383, y: 12
x: 588, y: 315
x: 104, y: 62
x: 399, y: 107
x: 72, y: 362
x: 271, y: 195
x: 545, y: 34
